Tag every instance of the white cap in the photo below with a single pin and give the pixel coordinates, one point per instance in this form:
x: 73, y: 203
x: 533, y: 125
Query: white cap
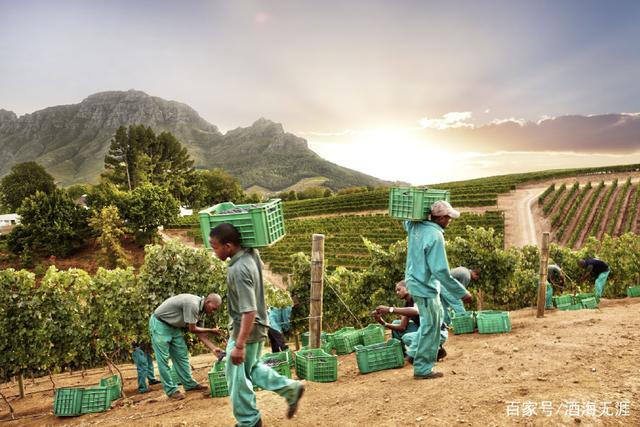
x: 443, y: 208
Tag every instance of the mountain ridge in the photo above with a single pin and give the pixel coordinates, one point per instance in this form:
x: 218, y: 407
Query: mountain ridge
x: 70, y: 141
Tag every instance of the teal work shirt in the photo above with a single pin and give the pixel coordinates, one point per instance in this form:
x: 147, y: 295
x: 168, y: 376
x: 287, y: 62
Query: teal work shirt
x: 246, y: 294
x: 181, y: 310
x: 280, y: 318
x: 427, y: 267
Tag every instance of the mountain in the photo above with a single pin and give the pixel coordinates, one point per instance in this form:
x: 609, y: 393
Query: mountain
x: 70, y: 141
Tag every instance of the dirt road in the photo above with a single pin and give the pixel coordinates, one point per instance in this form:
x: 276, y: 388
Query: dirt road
x: 569, y: 368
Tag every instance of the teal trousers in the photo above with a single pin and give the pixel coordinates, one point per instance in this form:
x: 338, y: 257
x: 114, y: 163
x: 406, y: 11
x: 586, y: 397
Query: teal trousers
x: 449, y: 301
x: 241, y: 379
x: 411, y: 327
x: 144, y: 366
x: 600, y: 282
x: 424, y: 344
x: 168, y: 343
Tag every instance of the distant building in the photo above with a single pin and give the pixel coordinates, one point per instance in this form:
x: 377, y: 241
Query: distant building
x: 7, y: 222
x: 9, y: 219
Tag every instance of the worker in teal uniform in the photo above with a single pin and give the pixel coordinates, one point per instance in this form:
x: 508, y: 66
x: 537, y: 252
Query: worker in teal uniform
x: 144, y: 365
x: 427, y: 269
x: 465, y: 276
x: 598, y: 270
x: 554, y: 278
x: 404, y: 325
x: 248, y: 325
x: 174, y: 316
x: 279, y: 324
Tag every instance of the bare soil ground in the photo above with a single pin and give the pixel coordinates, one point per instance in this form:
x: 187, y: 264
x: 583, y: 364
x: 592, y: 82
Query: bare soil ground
x: 572, y: 367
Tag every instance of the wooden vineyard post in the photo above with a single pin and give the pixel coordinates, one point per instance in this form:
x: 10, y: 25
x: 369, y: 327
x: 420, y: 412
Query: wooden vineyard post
x: 317, y: 272
x: 21, y: 385
x: 542, y: 284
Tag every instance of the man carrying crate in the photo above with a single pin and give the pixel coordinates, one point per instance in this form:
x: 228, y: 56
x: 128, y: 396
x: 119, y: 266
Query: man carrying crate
x: 175, y: 315
x: 427, y: 269
x: 248, y: 324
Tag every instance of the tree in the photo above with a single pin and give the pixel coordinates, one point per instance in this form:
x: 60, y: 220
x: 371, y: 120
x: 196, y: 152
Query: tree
x: 137, y: 156
x: 23, y: 181
x: 148, y: 207
x: 51, y: 224
x: 106, y: 223
x: 206, y: 188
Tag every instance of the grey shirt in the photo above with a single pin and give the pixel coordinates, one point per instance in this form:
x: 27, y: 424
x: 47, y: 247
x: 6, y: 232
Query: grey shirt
x: 462, y: 275
x: 181, y: 310
x: 246, y: 294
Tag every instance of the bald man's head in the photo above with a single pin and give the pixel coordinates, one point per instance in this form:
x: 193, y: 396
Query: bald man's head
x: 211, y: 303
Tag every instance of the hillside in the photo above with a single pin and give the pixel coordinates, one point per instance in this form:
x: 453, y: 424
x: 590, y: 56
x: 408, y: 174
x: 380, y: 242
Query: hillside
x: 573, y: 367
x: 70, y: 141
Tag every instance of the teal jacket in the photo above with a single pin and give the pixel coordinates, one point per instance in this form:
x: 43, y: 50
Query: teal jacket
x: 280, y: 319
x: 427, y: 267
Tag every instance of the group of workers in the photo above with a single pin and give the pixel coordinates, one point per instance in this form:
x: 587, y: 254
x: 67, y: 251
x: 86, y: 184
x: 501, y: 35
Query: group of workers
x: 430, y: 290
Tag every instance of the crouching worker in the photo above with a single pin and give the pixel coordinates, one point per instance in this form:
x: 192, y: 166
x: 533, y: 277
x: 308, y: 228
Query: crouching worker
x: 279, y: 323
x: 144, y: 364
x: 166, y: 325
x: 407, y: 323
x: 248, y: 326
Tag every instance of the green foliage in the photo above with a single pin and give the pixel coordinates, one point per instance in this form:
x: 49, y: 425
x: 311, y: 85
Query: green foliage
x: 276, y: 297
x: 148, y: 207
x: 174, y: 269
x: 138, y: 156
x: 108, y: 226
x: 24, y: 180
x: 77, y: 190
x: 51, y: 224
x: 207, y: 188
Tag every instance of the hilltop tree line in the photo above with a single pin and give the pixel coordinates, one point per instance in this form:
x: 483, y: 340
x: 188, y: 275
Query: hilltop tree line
x: 147, y: 178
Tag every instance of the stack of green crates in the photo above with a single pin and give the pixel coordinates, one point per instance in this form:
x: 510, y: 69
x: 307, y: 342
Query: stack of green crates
x: 286, y: 356
x: 259, y: 225
x: 315, y: 364
x: 413, y: 203
x: 95, y: 399
x: 580, y: 297
x: 589, y: 303
x: 376, y: 357
x: 345, y: 340
x: 633, y: 291
x: 463, y: 323
x: 66, y: 402
x: 493, y: 322
x: 280, y: 366
x: 372, y: 334
x: 572, y: 306
x: 218, y: 380
x: 563, y: 300
x: 114, y: 385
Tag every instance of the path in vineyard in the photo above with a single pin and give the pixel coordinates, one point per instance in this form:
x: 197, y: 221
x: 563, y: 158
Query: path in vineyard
x: 586, y: 356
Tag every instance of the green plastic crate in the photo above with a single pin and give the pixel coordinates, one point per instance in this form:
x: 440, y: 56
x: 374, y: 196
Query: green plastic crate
x: 345, y: 340
x: 580, y: 297
x: 633, y: 291
x: 563, y: 299
x: 376, y: 357
x: 414, y: 203
x: 218, y: 380
x: 67, y: 402
x: 463, y: 323
x: 576, y: 306
x: 114, y: 385
x: 305, y: 338
x: 315, y: 364
x: 286, y: 356
x: 261, y: 225
x: 589, y: 303
x: 372, y: 334
x: 280, y: 366
x: 493, y: 322
x: 95, y: 399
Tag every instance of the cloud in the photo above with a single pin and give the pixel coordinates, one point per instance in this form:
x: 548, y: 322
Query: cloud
x: 452, y: 120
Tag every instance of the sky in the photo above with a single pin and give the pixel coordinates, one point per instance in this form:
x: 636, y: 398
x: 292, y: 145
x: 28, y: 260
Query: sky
x: 416, y: 91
